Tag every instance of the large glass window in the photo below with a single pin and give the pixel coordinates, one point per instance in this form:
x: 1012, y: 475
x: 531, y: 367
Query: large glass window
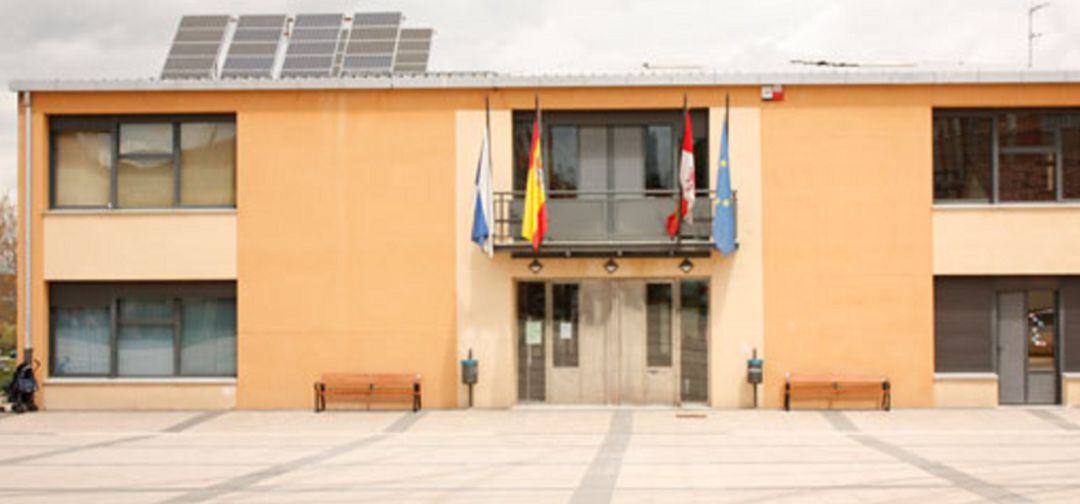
x: 143, y: 162
x: 1006, y: 156
x: 595, y: 152
x: 143, y: 329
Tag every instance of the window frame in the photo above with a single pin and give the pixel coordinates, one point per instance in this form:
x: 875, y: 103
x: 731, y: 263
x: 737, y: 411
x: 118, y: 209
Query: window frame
x: 997, y: 151
x: 611, y: 119
x: 110, y: 295
x: 111, y: 124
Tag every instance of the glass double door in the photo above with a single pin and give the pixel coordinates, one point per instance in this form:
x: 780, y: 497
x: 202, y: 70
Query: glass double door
x: 1027, y: 347
x: 613, y: 342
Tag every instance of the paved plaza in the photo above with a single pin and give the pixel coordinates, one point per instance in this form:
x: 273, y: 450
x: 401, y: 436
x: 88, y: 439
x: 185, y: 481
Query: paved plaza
x: 543, y: 455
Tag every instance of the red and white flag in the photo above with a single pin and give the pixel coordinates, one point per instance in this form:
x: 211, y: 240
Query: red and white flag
x: 686, y: 180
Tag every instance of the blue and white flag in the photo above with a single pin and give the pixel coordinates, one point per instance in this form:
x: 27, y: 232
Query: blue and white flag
x: 723, y: 224
x: 483, y: 211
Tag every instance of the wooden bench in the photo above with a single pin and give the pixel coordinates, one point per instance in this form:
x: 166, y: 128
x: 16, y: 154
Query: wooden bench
x: 367, y: 387
x: 834, y: 387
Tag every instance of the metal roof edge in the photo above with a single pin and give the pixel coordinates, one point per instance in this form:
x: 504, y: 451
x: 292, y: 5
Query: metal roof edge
x: 468, y: 80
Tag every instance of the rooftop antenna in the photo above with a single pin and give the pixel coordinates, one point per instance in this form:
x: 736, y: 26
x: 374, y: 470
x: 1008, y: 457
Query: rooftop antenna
x: 1031, y: 33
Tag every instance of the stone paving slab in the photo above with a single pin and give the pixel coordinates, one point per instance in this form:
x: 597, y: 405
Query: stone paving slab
x: 542, y: 455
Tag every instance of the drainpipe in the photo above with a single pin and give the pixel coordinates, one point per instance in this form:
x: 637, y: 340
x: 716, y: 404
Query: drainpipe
x: 28, y: 344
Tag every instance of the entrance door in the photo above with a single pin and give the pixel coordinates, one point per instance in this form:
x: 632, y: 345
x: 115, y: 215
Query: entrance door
x: 611, y: 342
x: 1027, y: 347
x: 647, y: 334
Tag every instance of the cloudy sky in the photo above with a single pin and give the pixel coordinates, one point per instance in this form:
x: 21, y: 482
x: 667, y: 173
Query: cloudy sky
x: 129, y: 38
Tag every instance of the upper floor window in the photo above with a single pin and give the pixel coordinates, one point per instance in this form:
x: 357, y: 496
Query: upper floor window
x: 597, y: 154
x: 1006, y: 156
x: 143, y: 162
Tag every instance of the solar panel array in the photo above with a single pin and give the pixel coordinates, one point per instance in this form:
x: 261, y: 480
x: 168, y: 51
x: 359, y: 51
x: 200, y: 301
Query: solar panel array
x: 196, y: 48
x: 302, y: 46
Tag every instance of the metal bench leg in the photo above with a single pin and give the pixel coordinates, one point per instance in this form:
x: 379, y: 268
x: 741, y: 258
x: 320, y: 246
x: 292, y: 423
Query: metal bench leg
x: 318, y: 398
x: 787, y: 397
x: 887, y: 395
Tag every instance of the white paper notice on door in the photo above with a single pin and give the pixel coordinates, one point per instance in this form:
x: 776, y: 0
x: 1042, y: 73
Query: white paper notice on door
x: 566, y: 330
x: 534, y: 332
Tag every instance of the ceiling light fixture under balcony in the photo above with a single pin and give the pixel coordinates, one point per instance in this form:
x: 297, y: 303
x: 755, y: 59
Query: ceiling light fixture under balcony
x: 686, y: 265
x: 611, y: 266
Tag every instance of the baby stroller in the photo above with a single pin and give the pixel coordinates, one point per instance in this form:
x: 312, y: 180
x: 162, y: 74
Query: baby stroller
x: 22, y: 387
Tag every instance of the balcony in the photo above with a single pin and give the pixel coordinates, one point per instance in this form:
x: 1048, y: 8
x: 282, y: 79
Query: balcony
x: 605, y: 223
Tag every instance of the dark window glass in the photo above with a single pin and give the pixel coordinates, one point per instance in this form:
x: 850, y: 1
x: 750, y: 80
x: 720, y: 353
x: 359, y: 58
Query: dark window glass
x: 963, y: 324
x: 701, y: 163
x: 564, y: 172
x: 658, y: 325
x: 146, y: 338
x: 1027, y: 177
x: 1070, y: 163
x: 531, y: 360
x: 659, y: 158
x: 143, y: 329
x: 208, y: 337
x: 694, y: 335
x: 1042, y: 330
x: 1070, y: 302
x: 81, y: 341
x: 1025, y: 129
x: 564, y: 298
x: 522, y: 138
x: 963, y: 153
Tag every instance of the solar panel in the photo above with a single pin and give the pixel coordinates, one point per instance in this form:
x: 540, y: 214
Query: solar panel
x: 413, y: 49
x: 254, y: 47
x: 372, y: 43
x: 309, y: 45
x: 196, y: 48
x: 313, y: 44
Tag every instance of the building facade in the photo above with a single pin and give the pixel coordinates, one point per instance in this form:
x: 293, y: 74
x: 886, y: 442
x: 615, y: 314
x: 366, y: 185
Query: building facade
x: 221, y: 244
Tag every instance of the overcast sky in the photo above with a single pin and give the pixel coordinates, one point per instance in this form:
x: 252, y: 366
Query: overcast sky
x: 129, y: 38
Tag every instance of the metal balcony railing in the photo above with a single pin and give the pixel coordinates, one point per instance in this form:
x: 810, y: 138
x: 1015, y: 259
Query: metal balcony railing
x: 607, y: 222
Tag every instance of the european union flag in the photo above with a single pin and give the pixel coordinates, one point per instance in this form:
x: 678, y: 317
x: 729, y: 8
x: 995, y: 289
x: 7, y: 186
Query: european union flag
x: 723, y: 224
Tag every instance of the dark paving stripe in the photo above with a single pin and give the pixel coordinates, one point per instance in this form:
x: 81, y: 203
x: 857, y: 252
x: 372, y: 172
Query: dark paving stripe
x: 1055, y: 419
x: 246, y: 481
x: 960, y: 479
x: 598, y: 484
x: 71, y: 449
x: 840, y: 421
x: 404, y: 423
x: 193, y: 421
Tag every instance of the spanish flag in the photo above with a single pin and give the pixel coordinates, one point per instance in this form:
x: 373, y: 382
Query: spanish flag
x: 534, y: 221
